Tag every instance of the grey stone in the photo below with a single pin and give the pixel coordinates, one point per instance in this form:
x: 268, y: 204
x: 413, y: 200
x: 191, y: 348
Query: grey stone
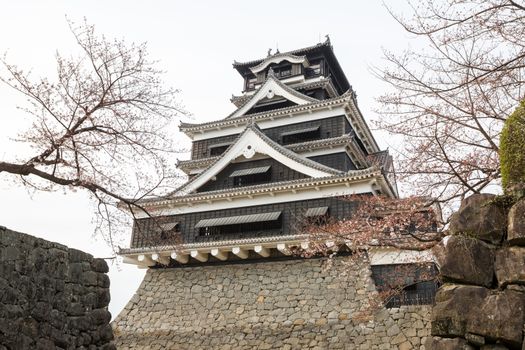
x: 479, y: 217
x: 496, y: 315
x: 475, y: 339
x: 324, y: 315
x: 454, y: 305
x: 510, y: 266
x: 437, y: 343
x: 465, y: 260
x: 501, y: 317
x: 9, y: 253
x: 99, y: 265
x: 100, y: 316
x: 516, y: 226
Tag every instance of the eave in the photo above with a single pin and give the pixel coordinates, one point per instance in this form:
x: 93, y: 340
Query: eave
x: 242, y: 192
x: 346, y: 101
x: 263, y: 247
x: 190, y: 129
x: 278, y: 58
x: 250, y: 142
x: 270, y: 88
x: 325, y: 48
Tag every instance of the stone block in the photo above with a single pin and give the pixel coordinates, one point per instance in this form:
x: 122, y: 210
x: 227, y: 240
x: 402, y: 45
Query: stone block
x: 516, y: 226
x: 510, y: 266
x: 78, y: 256
x: 475, y: 339
x: 100, y: 316
x: 494, y: 315
x: 9, y: 253
x: 99, y: 265
x: 437, y: 343
x: 479, y: 217
x: 455, y: 305
x: 466, y: 260
x: 501, y: 317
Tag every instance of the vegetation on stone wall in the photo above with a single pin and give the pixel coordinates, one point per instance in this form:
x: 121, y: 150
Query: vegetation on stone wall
x: 512, y: 148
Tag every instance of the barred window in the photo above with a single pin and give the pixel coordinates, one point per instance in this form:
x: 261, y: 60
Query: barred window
x: 406, y: 284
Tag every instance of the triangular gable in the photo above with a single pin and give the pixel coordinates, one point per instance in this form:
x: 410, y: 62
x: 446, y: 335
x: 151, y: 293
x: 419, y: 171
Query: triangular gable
x: 252, y: 141
x: 272, y: 87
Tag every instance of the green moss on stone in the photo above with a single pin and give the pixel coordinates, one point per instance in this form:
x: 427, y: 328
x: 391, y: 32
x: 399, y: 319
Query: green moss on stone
x: 512, y: 148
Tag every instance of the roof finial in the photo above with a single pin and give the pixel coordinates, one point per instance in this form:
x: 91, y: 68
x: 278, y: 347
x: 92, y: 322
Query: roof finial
x: 277, y: 48
x: 327, y: 36
x: 269, y: 52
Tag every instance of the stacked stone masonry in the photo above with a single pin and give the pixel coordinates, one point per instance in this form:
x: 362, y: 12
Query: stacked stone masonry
x: 482, y: 303
x: 51, y: 297
x: 291, y: 304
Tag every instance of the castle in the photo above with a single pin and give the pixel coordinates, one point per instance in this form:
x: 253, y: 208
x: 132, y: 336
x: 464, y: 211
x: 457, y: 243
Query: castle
x: 296, y: 143
x: 219, y: 249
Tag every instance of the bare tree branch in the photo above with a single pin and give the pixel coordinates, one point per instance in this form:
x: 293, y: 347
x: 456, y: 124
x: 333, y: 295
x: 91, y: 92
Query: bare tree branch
x: 102, y: 121
x: 449, y: 99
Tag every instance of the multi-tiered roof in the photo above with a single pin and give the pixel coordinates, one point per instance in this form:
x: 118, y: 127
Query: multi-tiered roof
x: 294, y: 146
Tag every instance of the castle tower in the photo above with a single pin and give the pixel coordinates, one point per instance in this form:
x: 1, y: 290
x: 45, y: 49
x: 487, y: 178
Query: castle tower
x: 221, y: 272
x: 295, y: 145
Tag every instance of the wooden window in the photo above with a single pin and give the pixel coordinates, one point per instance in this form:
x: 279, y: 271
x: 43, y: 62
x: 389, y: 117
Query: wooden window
x: 313, y: 71
x: 283, y: 71
x: 250, y: 83
x: 217, y: 150
x: 251, y: 176
x: 240, y: 224
x: 303, y: 135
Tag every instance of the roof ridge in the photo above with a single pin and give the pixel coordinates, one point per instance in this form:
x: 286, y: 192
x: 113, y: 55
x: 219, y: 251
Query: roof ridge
x: 292, y: 52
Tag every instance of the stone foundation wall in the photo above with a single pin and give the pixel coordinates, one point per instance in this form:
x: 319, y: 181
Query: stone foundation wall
x: 294, y: 304
x: 482, y: 302
x: 51, y: 297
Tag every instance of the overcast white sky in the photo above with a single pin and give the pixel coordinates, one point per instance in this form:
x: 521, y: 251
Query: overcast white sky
x: 196, y: 42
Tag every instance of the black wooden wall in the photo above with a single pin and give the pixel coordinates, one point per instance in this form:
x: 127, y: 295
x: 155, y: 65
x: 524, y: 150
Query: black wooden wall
x: 279, y: 172
x: 339, y: 161
x: 145, y: 232
x: 329, y: 128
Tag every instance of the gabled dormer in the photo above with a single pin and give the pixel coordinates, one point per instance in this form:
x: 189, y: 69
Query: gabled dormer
x: 265, y: 161
x: 287, y: 67
x: 272, y: 94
